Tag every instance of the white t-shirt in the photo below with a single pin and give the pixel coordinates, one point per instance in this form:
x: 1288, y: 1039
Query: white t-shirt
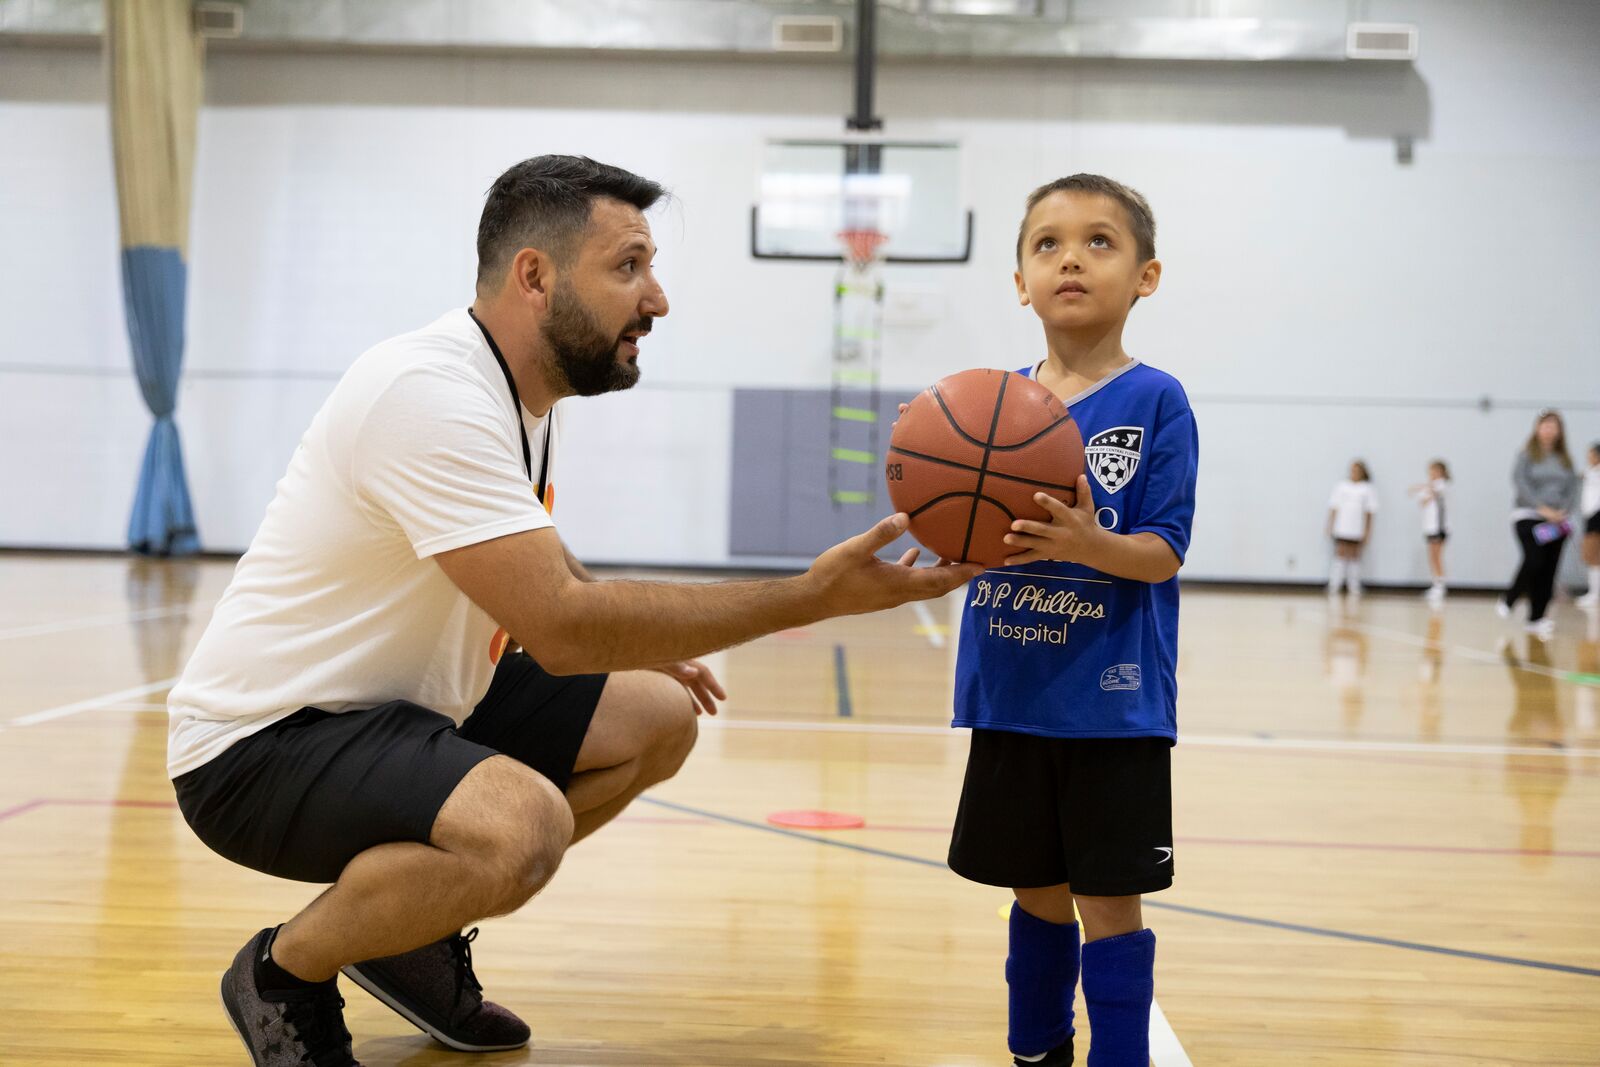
x: 1351, y: 502
x: 1432, y: 499
x: 1591, y: 492
x: 337, y: 604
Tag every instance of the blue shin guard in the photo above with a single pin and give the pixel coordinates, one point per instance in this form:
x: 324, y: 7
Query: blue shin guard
x: 1042, y: 973
x: 1118, y: 987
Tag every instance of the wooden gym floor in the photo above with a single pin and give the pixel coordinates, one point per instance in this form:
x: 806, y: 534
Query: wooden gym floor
x: 1388, y: 842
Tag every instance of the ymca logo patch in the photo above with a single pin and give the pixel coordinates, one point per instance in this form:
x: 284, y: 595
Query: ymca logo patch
x: 1113, y: 455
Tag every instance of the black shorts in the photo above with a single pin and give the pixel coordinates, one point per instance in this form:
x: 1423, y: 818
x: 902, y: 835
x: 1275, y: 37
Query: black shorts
x: 303, y: 797
x: 1347, y: 542
x: 1043, y: 811
x: 1437, y: 538
x: 1593, y: 525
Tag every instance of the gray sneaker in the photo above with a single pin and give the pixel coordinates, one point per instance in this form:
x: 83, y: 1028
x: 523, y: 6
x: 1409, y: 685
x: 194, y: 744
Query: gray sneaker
x: 299, y: 1029
x: 433, y: 988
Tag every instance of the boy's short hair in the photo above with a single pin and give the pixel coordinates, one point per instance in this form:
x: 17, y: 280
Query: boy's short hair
x: 1140, y: 217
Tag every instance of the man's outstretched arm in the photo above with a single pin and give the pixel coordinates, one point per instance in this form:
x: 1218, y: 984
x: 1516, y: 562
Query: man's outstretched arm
x: 525, y: 583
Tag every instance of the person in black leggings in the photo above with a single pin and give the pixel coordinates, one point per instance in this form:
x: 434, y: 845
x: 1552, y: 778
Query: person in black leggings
x: 1546, y: 486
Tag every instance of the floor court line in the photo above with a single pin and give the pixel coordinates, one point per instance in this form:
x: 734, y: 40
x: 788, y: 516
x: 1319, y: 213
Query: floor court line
x: 1207, y: 740
x: 1335, y: 846
x: 700, y: 820
x: 118, y: 701
x: 93, y: 703
x: 1165, y: 1049
x: 1185, y: 909
x: 171, y: 805
x: 841, y: 683
x: 89, y: 622
x: 926, y: 625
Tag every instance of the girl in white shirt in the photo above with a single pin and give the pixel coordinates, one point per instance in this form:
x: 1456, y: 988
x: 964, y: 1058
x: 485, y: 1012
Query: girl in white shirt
x: 1590, y: 507
x: 1350, y: 511
x: 1430, y: 496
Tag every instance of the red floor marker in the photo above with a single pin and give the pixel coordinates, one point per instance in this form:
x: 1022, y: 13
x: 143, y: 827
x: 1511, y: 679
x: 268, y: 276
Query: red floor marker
x: 816, y: 820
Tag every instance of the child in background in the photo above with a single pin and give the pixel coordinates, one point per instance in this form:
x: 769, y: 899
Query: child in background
x: 1590, y: 508
x: 1431, y: 497
x: 1350, y: 511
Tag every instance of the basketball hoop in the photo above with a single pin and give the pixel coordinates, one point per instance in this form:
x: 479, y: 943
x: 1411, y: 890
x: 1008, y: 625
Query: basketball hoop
x: 861, y: 246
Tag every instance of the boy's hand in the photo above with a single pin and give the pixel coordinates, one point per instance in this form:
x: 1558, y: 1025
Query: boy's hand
x: 1067, y: 538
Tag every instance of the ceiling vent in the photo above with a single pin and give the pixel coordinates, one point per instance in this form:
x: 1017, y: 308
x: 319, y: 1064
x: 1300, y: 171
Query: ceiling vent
x: 217, y: 18
x: 1381, y: 40
x: 808, y: 33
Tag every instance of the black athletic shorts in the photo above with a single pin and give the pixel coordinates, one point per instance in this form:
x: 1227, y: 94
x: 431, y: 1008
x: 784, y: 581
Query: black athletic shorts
x: 1593, y: 525
x: 1437, y: 538
x: 303, y: 797
x: 1043, y: 811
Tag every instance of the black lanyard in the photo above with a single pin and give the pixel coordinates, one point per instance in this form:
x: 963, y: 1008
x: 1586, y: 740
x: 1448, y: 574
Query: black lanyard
x: 516, y: 408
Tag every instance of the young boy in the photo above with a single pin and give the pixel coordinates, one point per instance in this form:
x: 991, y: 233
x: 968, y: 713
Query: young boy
x: 1068, y: 787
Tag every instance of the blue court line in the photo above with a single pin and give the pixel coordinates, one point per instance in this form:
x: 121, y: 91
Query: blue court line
x: 841, y: 682
x: 1206, y: 913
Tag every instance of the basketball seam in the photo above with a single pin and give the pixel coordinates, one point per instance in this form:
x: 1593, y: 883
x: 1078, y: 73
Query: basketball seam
x: 969, y: 467
x: 994, y: 424
x: 977, y: 498
x: 971, y: 440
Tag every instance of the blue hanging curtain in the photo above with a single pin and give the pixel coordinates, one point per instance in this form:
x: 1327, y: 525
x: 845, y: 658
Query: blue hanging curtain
x: 155, y: 62
x: 153, y: 285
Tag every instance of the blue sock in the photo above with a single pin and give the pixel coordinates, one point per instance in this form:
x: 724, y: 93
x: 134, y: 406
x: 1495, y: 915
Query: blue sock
x: 1119, y: 982
x: 1042, y: 973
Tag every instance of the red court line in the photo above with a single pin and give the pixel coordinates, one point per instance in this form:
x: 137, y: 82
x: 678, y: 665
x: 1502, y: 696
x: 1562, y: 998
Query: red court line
x: 1243, y: 842
x: 82, y: 802
x: 20, y: 808
x: 1357, y: 846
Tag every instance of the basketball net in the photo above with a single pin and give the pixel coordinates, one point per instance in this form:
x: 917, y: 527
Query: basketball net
x: 861, y: 246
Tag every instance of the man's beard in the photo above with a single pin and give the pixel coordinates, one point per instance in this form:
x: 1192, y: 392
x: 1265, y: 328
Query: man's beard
x: 583, y: 354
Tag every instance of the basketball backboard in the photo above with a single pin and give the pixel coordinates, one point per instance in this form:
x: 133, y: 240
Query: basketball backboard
x: 812, y: 190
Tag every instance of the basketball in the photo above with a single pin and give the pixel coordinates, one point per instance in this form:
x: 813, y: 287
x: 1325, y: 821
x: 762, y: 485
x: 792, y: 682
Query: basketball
x: 969, y: 453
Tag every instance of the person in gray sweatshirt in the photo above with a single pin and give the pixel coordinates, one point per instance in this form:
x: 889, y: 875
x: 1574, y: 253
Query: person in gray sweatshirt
x: 1546, y: 489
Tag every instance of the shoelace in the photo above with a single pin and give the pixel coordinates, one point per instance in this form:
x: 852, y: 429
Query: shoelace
x: 319, y: 1023
x: 467, y: 983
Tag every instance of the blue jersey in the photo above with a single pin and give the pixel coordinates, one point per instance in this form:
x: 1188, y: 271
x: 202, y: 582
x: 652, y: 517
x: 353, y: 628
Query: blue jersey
x: 1063, y: 650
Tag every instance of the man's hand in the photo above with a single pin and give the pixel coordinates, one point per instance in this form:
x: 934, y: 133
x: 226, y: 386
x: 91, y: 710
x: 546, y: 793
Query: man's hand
x: 1068, y: 537
x: 851, y: 580
x: 698, y: 679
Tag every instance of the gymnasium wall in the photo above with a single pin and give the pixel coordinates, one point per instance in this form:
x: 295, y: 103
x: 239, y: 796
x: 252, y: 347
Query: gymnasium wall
x: 1321, y: 299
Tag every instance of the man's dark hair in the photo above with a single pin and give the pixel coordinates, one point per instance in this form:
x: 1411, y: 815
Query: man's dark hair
x: 545, y: 202
x: 1140, y: 217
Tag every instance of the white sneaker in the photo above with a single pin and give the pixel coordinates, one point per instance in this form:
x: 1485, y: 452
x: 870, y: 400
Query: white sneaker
x: 1544, y: 629
x: 1591, y: 599
x: 1501, y: 608
x: 1434, y: 596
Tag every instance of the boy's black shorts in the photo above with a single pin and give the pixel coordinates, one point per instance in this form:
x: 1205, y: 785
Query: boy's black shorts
x: 1041, y: 811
